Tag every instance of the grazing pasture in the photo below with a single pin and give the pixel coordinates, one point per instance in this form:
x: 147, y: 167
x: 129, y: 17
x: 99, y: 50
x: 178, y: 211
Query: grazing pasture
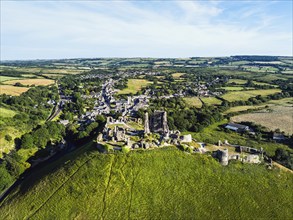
x: 211, y: 100
x: 245, y: 95
x: 7, y: 78
x: 237, y: 81
x: 134, y: 85
x: 193, y: 101
x: 12, y: 90
x: 271, y: 77
x: 30, y: 82
x: 235, y: 88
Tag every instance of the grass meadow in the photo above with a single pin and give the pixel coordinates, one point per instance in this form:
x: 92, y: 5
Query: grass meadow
x: 6, y: 113
x: 211, y: 100
x: 245, y: 95
x: 193, y: 101
x: 7, y: 78
x: 134, y: 85
x: 157, y: 184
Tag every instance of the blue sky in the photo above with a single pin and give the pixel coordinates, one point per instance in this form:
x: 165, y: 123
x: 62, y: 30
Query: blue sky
x: 70, y: 29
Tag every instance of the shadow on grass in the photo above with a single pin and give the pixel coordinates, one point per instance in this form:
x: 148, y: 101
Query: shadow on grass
x: 32, y: 176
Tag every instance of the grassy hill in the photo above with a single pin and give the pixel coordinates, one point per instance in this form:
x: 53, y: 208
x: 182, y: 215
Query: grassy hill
x: 155, y: 184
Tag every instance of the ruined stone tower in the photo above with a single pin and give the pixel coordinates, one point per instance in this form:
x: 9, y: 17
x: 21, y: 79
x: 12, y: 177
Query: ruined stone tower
x: 146, y: 123
x: 165, y: 123
x: 158, y: 122
x: 224, y: 157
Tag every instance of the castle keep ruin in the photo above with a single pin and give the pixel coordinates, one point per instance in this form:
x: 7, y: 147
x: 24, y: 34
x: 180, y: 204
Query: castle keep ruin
x: 157, y: 123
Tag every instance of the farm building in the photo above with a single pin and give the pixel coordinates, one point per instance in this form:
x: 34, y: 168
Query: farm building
x: 237, y: 127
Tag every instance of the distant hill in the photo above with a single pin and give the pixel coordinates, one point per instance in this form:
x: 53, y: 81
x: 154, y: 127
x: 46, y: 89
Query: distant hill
x: 155, y: 184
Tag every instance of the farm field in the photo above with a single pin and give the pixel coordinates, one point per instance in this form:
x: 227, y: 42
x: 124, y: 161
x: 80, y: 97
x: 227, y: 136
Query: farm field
x: 243, y: 108
x: 6, y: 113
x: 55, y: 75
x: 245, y: 95
x: 12, y: 90
x: 237, y: 81
x: 49, y: 70
x: 210, y: 101
x: 283, y: 102
x: 146, y: 185
x: 280, y: 117
x: 271, y: 77
x: 193, y: 101
x: 177, y: 75
x: 7, y: 78
x: 235, y: 88
x: 134, y: 85
x: 30, y: 82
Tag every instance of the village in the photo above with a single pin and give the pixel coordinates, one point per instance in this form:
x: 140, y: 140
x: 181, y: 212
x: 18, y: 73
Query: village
x: 127, y: 132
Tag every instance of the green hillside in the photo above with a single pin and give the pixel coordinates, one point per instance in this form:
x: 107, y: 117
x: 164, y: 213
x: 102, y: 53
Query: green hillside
x: 155, y: 184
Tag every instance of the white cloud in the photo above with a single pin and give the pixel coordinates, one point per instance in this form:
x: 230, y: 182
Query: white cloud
x: 123, y: 29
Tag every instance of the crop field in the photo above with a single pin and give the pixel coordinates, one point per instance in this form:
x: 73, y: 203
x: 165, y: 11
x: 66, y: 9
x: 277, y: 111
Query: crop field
x: 177, y: 75
x: 12, y: 90
x: 157, y: 184
x: 30, y: 82
x: 193, y: 101
x: 245, y: 95
x: 211, y: 100
x: 280, y: 117
x: 6, y: 113
x: 134, y: 85
x: 243, y: 108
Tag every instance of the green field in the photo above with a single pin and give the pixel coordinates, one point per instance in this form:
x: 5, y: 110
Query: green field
x: 134, y: 85
x: 211, y: 101
x: 158, y: 184
x: 193, y: 101
x: 235, y: 88
x: 271, y: 77
x: 245, y: 95
x: 6, y: 113
x: 237, y: 81
x: 177, y: 75
x: 7, y: 78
